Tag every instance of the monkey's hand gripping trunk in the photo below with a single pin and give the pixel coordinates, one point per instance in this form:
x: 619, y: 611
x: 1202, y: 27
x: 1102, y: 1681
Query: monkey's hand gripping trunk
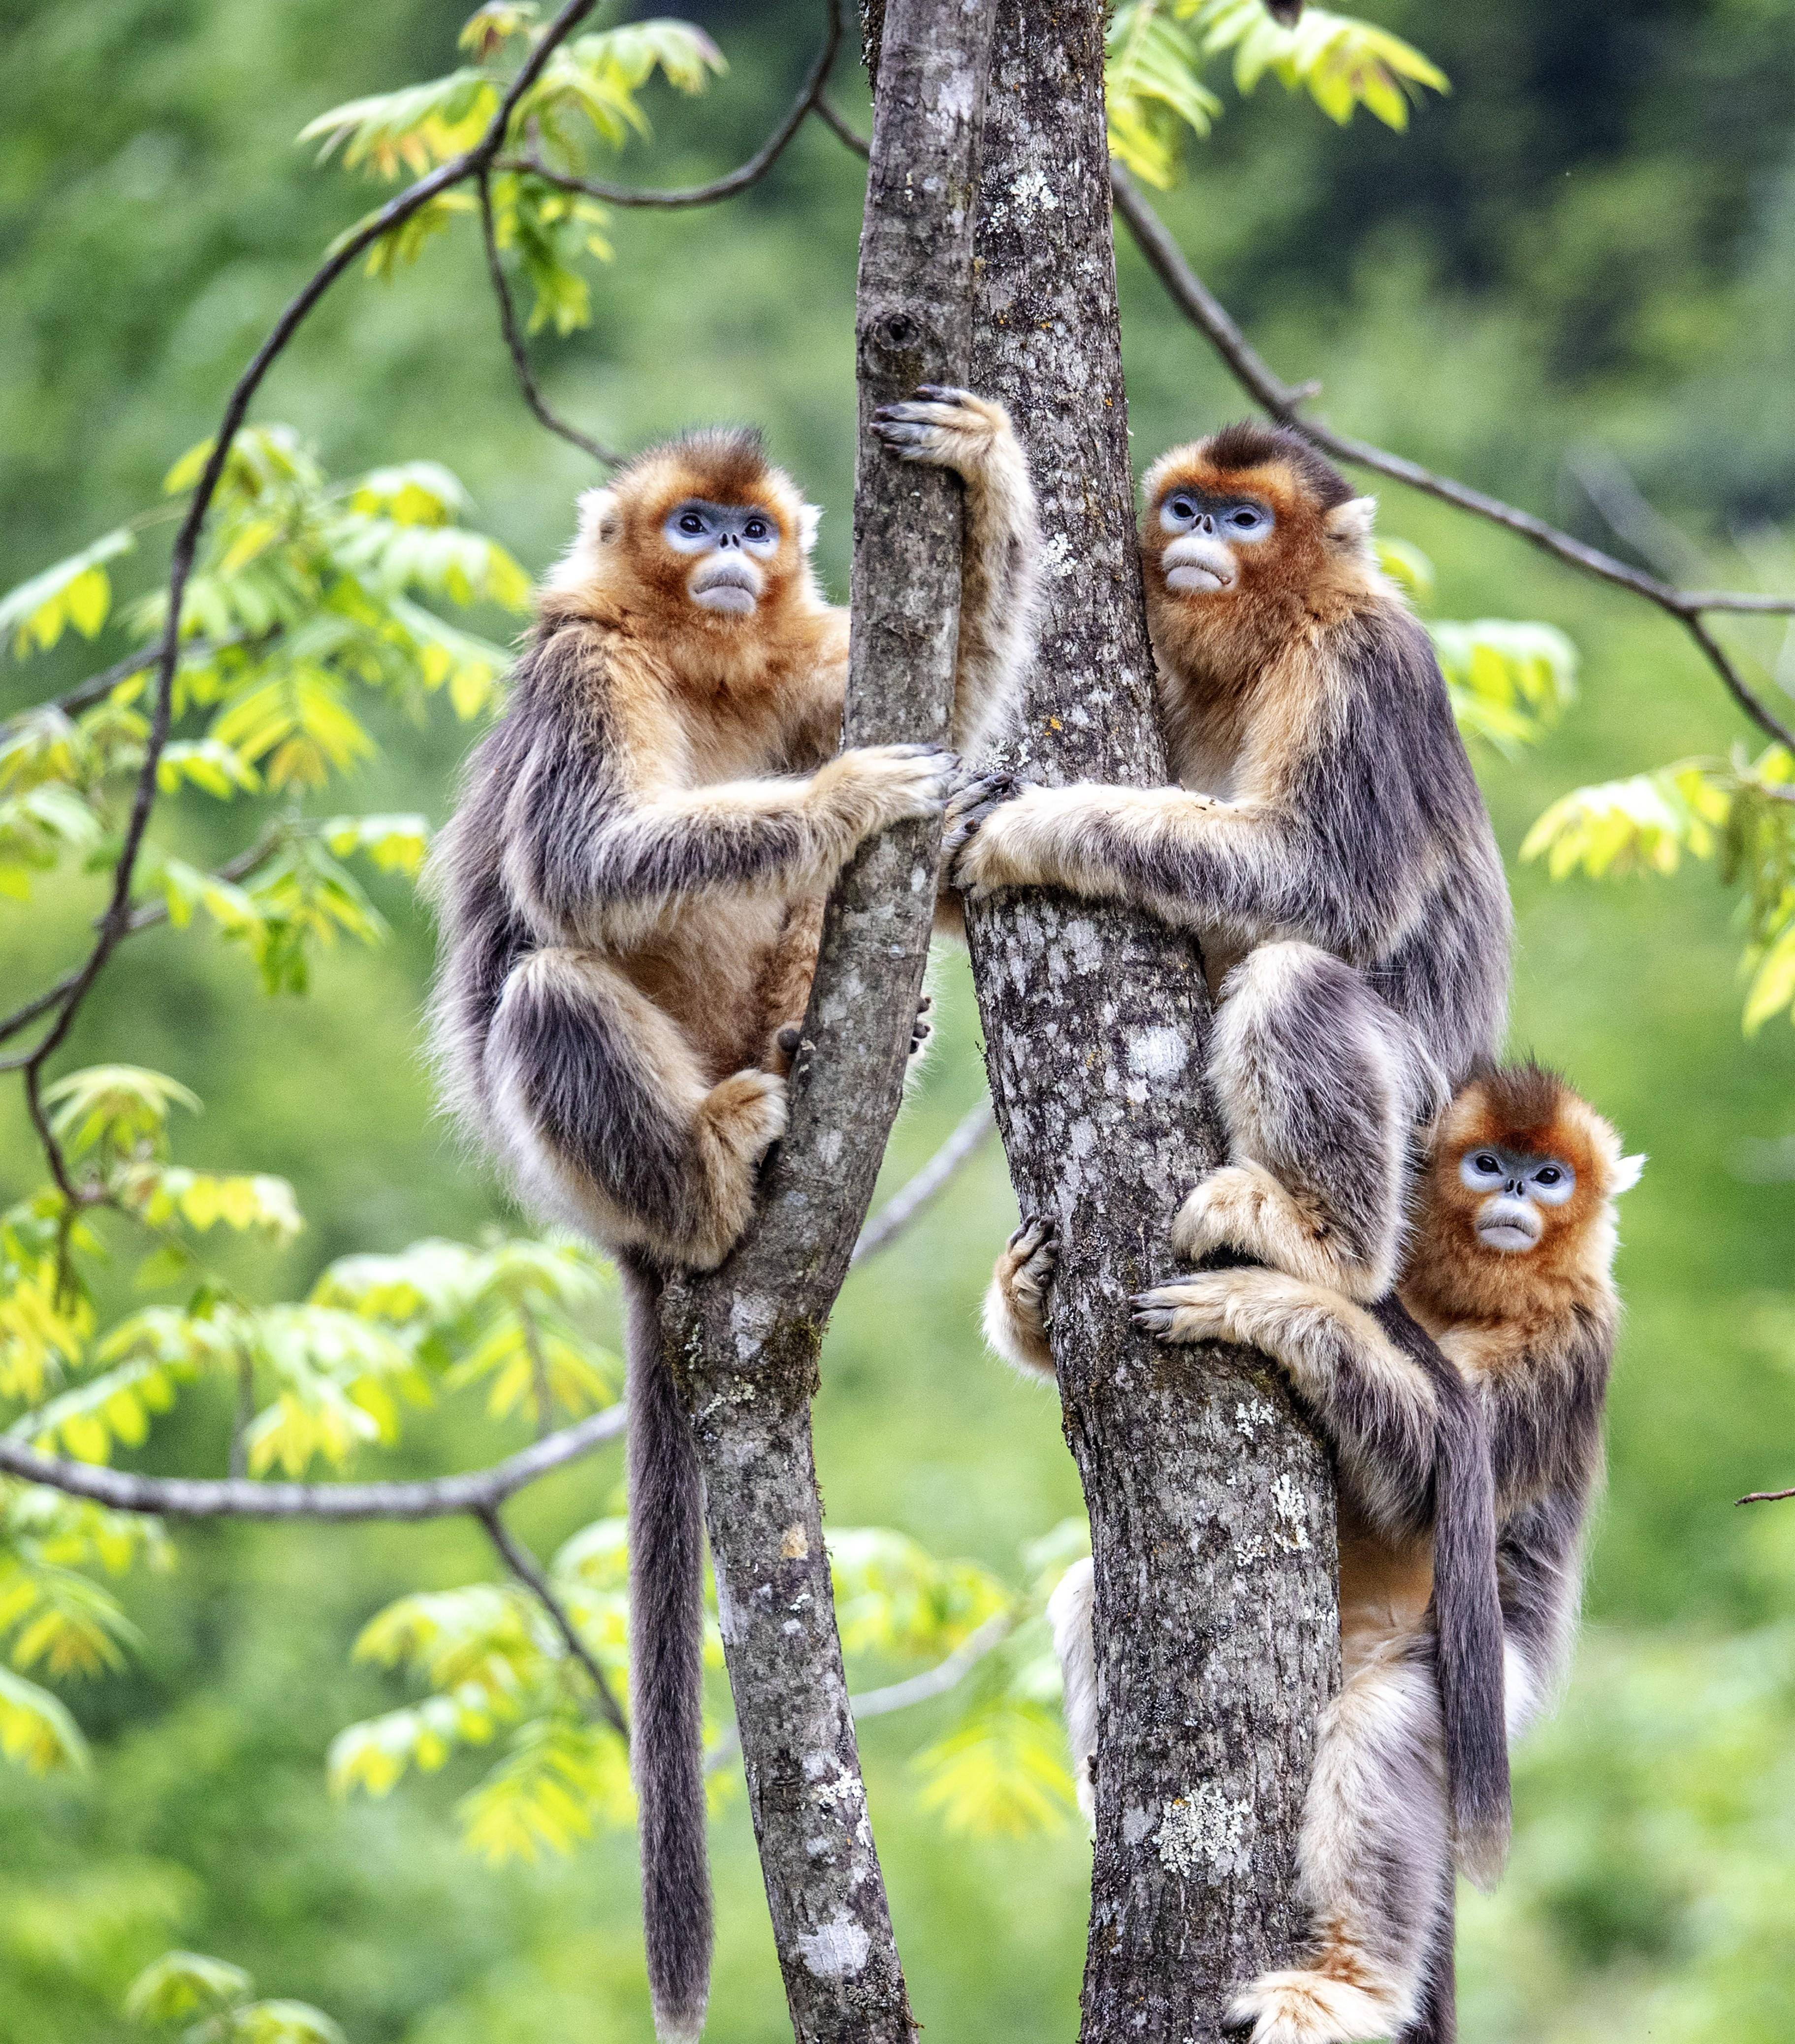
x: 666, y: 1668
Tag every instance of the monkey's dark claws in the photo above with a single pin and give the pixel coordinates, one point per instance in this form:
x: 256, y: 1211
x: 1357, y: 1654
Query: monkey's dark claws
x: 943, y: 393
x: 788, y: 1038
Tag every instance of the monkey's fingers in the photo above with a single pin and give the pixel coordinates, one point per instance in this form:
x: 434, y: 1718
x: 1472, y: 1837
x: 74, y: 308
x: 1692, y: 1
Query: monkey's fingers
x: 1034, y: 1238
x: 1180, y: 1312
x: 973, y: 801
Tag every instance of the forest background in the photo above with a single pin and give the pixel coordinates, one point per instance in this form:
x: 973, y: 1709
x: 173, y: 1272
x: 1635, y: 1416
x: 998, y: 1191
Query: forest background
x: 1586, y: 254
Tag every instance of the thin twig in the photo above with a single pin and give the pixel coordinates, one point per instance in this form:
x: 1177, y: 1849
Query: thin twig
x: 910, y: 1198
x: 191, y: 1497
x: 1764, y: 1497
x: 945, y: 1676
x: 931, y: 1682
x: 398, y: 209
x: 514, y: 342
x: 809, y: 99
x: 1211, y: 317
x: 832, y: 120
x: 522, y: 1564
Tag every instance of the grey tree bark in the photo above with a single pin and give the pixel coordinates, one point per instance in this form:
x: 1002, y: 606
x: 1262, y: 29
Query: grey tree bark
x: 742, y: 1342
x: 1211, y: 1503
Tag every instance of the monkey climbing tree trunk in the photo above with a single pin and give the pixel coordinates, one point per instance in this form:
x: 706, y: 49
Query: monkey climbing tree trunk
x: 742, y: 1342
x: 1211, y: 1503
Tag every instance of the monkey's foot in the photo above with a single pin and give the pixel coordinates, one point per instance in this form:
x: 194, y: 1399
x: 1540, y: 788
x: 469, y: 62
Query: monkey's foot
x: 971, y: 807
x: 922, y: 1028
x: 1244, y: 1208
x: 745, y: 1113
x: 1304, y: 2007
x: 943, y: 427
x: 1025, y: 1270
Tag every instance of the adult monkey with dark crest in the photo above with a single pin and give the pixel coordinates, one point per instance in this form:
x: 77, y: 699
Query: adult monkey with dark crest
x: 633, y: 889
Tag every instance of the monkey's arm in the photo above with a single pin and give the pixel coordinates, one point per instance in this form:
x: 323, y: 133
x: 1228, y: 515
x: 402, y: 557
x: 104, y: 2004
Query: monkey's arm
x: 582, y: 860
x: 1377, y: 1405
x: 1257, y: 870
x: 1001, y: 554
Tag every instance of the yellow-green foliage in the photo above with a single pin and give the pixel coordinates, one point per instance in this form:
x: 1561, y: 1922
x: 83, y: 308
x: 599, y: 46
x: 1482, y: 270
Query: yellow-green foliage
x: 1156, y: 51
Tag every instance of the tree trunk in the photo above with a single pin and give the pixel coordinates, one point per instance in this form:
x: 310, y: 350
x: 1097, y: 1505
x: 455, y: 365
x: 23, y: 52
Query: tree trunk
x: 1211, y: 1503
x: 742, y: 1342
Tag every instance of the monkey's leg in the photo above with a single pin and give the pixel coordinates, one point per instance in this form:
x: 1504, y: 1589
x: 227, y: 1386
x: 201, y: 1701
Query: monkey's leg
x: 1069, y: 1612
x: 1319, y: 1082
x: 609, y: 1120
x: 1016, y: 1300
x: 1373, y: 1862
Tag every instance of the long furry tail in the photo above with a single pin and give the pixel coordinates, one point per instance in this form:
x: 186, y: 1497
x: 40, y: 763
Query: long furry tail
x: 666, y: 1652
x: 1467, y: 1612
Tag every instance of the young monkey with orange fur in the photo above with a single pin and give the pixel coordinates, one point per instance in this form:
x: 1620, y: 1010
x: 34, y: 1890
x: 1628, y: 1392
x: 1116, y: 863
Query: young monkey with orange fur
x: 1509, y: 1273
x: 632, y: 889
x: 1326, y: 842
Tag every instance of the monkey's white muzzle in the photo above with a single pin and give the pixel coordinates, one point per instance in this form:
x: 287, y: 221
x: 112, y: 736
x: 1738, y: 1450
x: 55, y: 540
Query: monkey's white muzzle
x: 1196, y: 565
x: 1508, y: 1224
x: 730, y: 586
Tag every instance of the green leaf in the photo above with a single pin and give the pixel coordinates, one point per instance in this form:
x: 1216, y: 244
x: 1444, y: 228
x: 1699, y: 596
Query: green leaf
x: 1507, y: 682
x: 117, y: 1105
x: 284, y: 2022
x: 1643, y: 824
x: 407, y: 133
x: 214, y: 768
x: 1001, y: 1772
x: 1152, y: 89
x: 562, y: 1774
x: 76, y: 592
x: 36, y: 1730
x: 893, y: 1594
x: 396, y: 844
x: 183, y: 1984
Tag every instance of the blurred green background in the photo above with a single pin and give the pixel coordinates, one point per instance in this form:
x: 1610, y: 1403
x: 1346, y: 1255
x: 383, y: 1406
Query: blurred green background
x: 1590, y: 245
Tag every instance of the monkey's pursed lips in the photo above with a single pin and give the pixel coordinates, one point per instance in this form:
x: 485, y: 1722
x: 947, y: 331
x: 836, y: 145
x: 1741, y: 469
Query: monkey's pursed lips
x: 1195, y: 581
x: 1197, y: 564
x: 731, y: 586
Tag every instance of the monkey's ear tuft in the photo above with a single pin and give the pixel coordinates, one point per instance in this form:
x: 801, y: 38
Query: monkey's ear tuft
x: 1627, y: 1174
x: 809, y: 517
x: 1349, y: 524
x: 600, y: 519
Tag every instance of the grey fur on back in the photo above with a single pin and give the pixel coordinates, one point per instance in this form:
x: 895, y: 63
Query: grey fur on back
x: 666, y: 1668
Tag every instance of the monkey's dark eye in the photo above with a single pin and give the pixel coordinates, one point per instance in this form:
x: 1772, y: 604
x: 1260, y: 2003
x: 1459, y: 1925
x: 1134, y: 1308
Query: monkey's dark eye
x: 1549, y: 1174
x: 691, y: 522
x: 756, y: 528
x: 1484, y: 1162
x: 1245, y: 518
x: 1181, y: 507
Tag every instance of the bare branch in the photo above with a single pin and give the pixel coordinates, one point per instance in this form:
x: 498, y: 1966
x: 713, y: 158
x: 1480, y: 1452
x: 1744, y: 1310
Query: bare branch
x: 192, y: 1497
x: 945, y: 1675
x: 1764, y: 1497
x: 522, y: 1564
x: 514, y: 342
x: 809, y: 99
x: 839, y: 127
x: 1283, y: 401
x: 911, y: 1198
x: 936, y: 1681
